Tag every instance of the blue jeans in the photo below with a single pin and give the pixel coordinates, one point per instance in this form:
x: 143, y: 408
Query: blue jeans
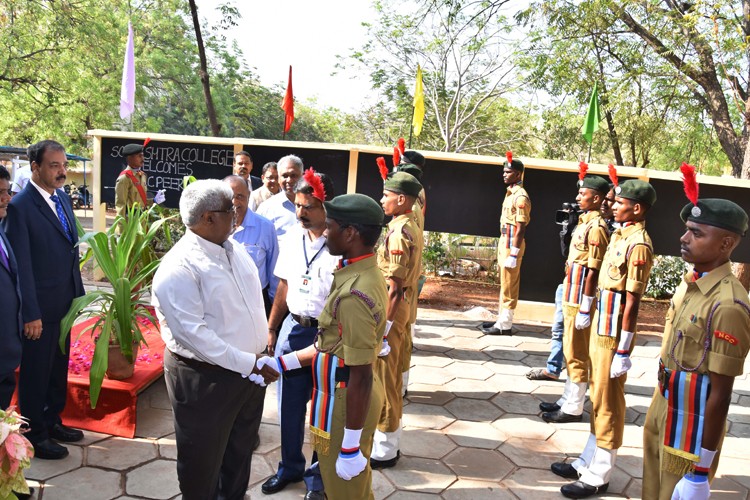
x: 556, y: 358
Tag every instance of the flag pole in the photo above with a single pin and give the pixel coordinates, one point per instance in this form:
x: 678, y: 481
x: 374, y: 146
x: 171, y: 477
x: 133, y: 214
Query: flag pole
x: 589, y: 161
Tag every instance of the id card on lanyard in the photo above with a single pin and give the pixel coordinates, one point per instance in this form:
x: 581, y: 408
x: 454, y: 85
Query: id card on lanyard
x: 306, y: 279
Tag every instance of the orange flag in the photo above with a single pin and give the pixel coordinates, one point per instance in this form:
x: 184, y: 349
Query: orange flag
x: 288, y: 104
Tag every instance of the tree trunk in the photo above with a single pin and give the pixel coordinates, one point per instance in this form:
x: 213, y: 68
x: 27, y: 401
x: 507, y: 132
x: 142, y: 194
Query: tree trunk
x: 215, y: 127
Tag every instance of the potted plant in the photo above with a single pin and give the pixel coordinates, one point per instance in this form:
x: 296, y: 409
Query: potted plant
x: 126, y: 258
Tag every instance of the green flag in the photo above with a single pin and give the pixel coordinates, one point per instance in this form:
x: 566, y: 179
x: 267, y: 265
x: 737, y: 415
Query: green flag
x: 591, y: 123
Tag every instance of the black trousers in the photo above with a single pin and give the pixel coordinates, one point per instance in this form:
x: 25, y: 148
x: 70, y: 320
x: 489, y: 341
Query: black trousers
x: 7, y: 388
x: 43, y: 382
x: 217, y: 415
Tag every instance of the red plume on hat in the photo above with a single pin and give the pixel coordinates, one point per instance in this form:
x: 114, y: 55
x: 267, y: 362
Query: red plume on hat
x: 381, y: 166
x: 401, y: 145
x: 583, y: 167
x: 509, y: 156
x: 313, y: 179
x: 145, y: 143
x: 689, y: 182
x: 396, y: 156
x: 613, y: 175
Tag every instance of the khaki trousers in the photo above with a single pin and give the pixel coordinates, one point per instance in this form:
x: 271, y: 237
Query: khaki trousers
x: 510, y: 279
x: 390, y: 368
x: 607, y: 395
x: 659, y: 484
x: 576, y: 345
x: 360, y: 486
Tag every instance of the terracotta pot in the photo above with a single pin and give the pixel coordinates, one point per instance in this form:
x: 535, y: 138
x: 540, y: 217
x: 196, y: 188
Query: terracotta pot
x: 118, y: 367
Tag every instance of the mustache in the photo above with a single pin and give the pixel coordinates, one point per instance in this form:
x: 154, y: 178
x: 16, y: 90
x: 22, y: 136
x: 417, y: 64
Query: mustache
x: 61, y: 177
x: 303, y: 219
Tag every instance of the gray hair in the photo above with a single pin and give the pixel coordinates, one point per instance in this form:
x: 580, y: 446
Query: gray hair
x: 293, y: 159
x: 201, y: 197
x: 230, y: 179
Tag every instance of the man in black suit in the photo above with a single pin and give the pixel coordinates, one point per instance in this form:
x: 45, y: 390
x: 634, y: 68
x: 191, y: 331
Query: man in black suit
x: 41, y: 228
x: 10, y: 305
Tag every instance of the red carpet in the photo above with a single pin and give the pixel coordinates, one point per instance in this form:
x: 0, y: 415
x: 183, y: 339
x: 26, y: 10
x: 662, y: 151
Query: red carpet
x: 115, y: 412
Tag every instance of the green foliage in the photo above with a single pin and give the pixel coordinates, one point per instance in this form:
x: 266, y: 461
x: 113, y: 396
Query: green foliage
x: 434, y: 254
x: 468, y: 74
x: 666, y: 275
x: 128, y: 262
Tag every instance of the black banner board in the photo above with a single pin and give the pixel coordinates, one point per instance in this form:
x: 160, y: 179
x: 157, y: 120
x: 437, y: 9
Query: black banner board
x: 166, y: 163
x: 332, y: 162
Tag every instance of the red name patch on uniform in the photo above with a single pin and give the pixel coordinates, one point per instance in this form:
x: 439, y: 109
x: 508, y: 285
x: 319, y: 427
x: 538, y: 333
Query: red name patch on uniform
x: 639, y: 262
x: 594, y: 243
x: 725, y: 336
x: 397, y: 252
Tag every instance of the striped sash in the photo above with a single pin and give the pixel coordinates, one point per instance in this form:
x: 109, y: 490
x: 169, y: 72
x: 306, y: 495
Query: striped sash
x: 609, y: 306
x: 510, y: 230
x: 324, y: 367
x: 574, y: 282
x: 686, y: 394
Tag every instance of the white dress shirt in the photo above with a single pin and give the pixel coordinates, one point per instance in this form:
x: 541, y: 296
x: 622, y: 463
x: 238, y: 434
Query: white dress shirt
x: 46, y: 197
x: 305, y: 300
x: 22, y: 177
x: 209, y: 304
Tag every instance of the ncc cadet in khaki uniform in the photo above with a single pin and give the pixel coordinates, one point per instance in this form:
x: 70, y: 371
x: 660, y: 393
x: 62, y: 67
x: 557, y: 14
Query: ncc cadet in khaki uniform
x: 515, y: 217
x: 706, y: 339
x: 400, y: 261
x: 348, y: 393
x: 413, y: 163
x: 622, y: 281
x: 130, y: 188
x: 587, y: 246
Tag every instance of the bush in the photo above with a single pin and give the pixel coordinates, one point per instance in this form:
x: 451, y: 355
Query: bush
x: 434, y: 254
x: 665, y: 276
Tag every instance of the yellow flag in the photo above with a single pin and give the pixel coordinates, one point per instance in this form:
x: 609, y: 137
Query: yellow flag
x: 418, y: 118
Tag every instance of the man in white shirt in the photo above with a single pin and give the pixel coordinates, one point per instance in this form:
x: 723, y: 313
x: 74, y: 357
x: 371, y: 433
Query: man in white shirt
x: 208, y: 301
x: 305, y: 270
x: 21, y: 177
x: 279, y: 208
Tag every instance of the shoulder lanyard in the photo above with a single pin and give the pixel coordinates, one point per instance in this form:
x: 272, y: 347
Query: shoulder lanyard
x: 308, y: 263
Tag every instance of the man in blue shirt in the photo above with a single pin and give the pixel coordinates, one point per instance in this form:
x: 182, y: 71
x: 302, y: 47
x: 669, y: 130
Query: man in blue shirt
x: 257, y: 235
x: 280, y: 208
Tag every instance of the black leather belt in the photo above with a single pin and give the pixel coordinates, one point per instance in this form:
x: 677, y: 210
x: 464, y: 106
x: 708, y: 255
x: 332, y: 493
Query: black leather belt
x: 305, y: 321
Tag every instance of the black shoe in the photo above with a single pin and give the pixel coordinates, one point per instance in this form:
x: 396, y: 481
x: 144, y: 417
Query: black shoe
x: 565, y: 470
x: 274, y: 484
x: 548, y: 407
x: 315, y: 495
x: 65, y: 434
x: 385, y: 464
x: 582, y: 490
x: 560, y: 417
x: 24, y: 496
x: 487, y: 324
x: 496, y: 331
x: 49, y: 450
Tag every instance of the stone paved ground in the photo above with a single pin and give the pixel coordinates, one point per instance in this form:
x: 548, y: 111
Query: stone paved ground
x: 471, y: 430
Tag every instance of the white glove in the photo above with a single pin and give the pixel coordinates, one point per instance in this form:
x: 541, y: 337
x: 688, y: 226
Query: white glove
x: 689, y: 489
x: 620, y: 365
x: 626, y: 338
x: 583, y: 317
x: 583, y: 320
x: 284, y: 363
x: 350, y: 462
x: 510, y: 262
x: 388, y: 325
x: 385, y: 349
x: 160, y: 196
x: 257, y: 379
